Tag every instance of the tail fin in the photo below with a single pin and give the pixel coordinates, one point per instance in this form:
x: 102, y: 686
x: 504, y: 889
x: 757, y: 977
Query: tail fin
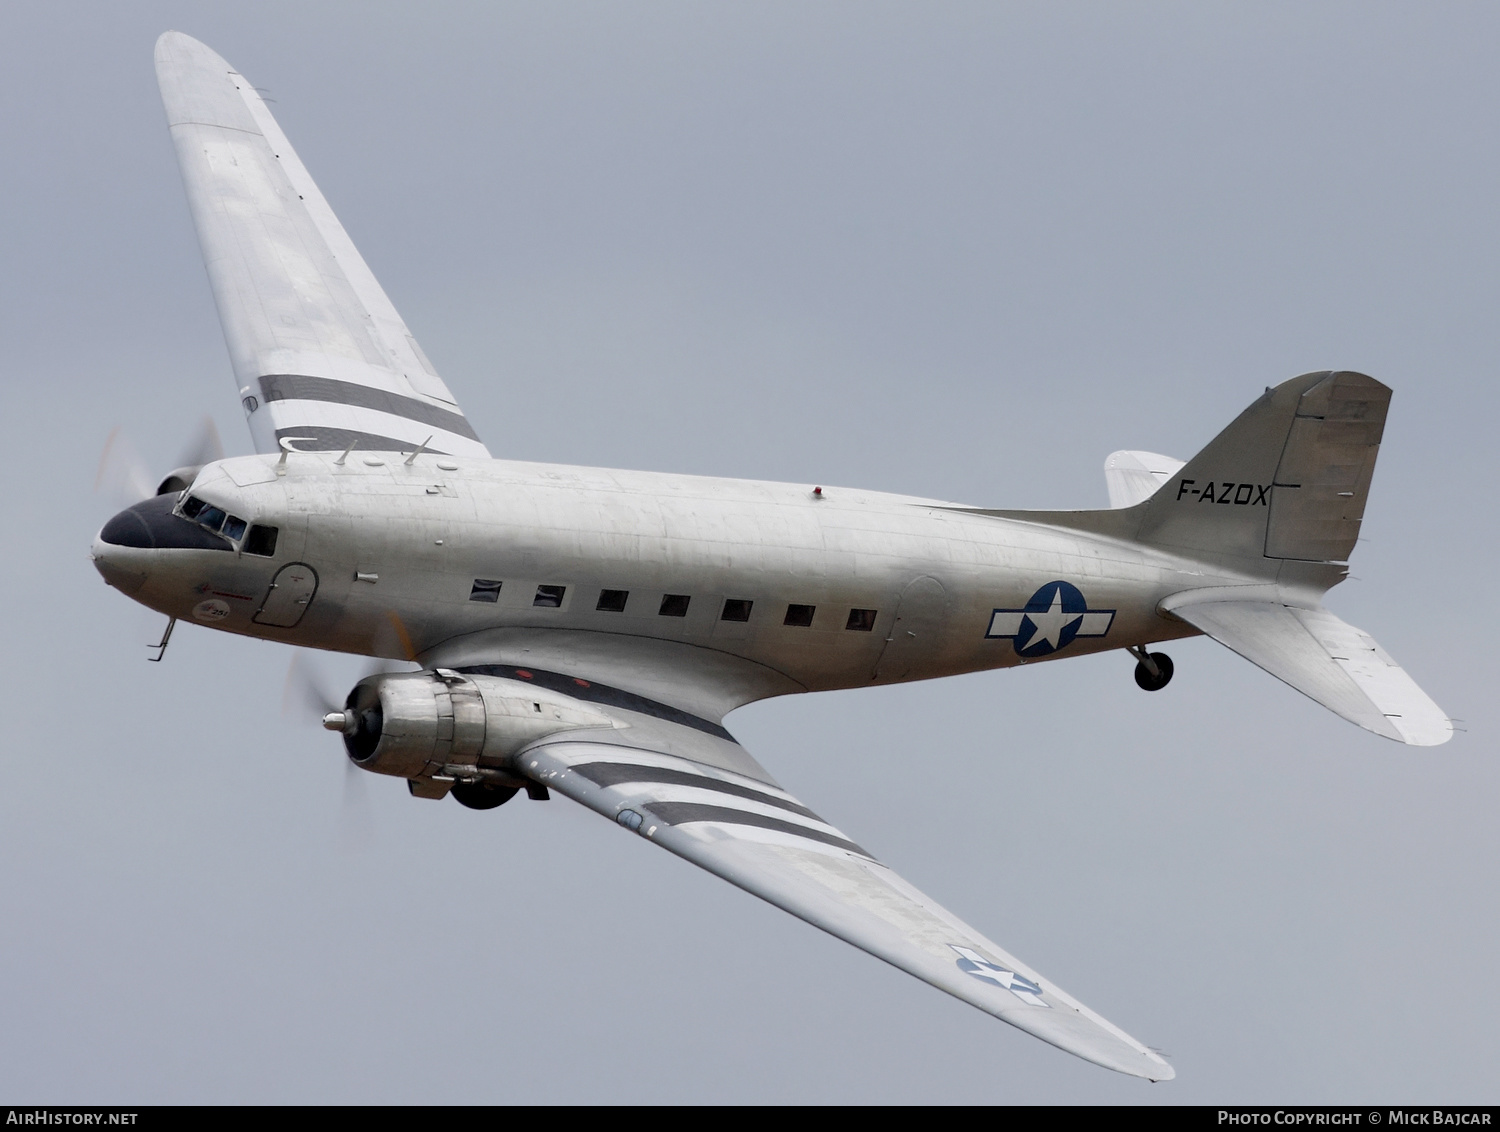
x: 1287, y: 480
x: 1279, y: 494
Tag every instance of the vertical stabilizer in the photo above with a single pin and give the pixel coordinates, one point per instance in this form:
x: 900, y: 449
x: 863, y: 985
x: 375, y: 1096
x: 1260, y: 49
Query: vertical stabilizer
x: 1288, y: 479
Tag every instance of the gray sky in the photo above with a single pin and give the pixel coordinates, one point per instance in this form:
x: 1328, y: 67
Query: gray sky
x: 956, y: 250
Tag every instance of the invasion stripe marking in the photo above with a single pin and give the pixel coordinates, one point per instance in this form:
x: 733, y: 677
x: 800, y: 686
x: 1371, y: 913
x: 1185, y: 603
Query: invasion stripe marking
x: 681, y: 813
x: 320, y: 438
x: 300, y: 387
x: 613, y: 774
x: 597, y: 693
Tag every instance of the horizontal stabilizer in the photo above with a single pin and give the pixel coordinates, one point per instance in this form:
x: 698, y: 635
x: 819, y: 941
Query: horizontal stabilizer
x: 1324, y: 658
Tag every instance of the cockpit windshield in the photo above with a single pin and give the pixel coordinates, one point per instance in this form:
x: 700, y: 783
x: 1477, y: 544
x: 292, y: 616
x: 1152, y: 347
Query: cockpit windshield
x: 214, y: 518
x: 262, y: 540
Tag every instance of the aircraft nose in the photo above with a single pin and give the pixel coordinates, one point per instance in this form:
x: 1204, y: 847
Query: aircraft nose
x: 122, y: 549
x: 128, y: 528
x: 152, y: 525
x: 113, y: 561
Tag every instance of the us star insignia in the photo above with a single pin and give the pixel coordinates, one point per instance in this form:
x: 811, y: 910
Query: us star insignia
x: 973, y: 963
x: 1056, y: 615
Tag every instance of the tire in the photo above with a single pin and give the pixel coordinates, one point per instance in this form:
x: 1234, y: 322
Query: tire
x: 1143, y: 676
x: 478, y: 796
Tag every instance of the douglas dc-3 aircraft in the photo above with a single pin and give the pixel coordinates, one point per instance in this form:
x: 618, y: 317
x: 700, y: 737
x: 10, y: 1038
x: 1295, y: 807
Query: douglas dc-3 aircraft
x: 586, y: 631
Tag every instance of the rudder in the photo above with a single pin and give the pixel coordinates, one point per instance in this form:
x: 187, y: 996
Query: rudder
x: 1288, y: 479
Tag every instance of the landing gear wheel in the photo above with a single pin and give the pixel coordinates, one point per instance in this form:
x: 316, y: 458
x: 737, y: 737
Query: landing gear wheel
x: 1143, y: 676
x: 478, y: 796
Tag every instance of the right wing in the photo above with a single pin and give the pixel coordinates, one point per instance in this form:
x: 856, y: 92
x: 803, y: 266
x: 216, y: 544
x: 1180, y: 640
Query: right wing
x: 1324, y: 658
x: 319, y: 352
x: 682, y: 782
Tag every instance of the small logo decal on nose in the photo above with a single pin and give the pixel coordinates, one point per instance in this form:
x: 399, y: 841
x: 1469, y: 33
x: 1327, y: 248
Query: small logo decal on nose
x: 211, y: 610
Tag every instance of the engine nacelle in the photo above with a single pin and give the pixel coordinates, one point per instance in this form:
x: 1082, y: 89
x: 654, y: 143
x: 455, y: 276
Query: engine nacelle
x: 420, y: 724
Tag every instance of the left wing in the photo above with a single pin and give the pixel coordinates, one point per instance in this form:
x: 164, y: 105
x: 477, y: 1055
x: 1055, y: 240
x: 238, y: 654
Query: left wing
x: 683, y: 783
x: 319, y: 352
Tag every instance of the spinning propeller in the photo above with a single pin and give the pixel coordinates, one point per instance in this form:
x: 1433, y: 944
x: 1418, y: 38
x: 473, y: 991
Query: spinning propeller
x: 127, y: 478
x: 306, y: 697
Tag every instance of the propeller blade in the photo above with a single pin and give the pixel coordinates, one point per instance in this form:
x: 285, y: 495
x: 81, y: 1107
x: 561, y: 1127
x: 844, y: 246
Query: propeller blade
x: 357, y: 818
x: 306, y: 695
x: 205, y: 448
x: 122, y: 476
x: 395, y: 639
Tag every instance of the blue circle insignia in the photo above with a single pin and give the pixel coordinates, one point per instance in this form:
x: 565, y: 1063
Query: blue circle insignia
x: 1052, y: 619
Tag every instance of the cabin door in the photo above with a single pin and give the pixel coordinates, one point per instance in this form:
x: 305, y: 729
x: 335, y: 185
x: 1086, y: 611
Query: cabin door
x: 290, y: 594
x: 913, y: 639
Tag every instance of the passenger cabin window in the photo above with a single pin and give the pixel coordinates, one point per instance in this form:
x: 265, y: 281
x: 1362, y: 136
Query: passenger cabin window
x: 549, y: 597
x: 861, y: 620
x: 736, y: 609
x: 799, y: 615
x: 613, y: 601
x: 261, y: 541
x: 674, y: 605
x: 485, y: 589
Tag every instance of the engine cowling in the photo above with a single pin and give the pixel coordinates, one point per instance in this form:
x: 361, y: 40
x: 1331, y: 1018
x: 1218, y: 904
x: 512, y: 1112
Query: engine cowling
x: 421, y: 724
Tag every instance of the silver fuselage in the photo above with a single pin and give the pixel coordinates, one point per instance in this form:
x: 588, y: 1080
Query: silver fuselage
x: 396, y: 550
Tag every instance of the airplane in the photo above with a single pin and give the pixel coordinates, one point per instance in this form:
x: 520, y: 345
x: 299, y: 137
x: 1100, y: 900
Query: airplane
x: 586, y: 631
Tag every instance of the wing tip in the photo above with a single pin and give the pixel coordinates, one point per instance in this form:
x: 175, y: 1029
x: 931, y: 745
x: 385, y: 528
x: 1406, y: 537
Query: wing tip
x: 176, y: 50
x: 1148, y: 1065
x: 1427, y: 735
x: 171, y: 40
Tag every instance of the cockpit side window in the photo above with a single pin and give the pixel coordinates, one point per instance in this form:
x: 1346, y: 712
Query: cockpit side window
x: 261, y: 541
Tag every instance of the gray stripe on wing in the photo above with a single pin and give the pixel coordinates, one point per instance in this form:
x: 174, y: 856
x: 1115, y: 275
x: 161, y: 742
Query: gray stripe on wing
x: 613, y: 774
x: 300, y: 387
x: 321, y: 438
x: 681, y: 813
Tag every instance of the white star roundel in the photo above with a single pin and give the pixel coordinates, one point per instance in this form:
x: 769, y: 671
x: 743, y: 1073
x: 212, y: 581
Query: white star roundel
x: 973, y: 963
x: 1056, y: 615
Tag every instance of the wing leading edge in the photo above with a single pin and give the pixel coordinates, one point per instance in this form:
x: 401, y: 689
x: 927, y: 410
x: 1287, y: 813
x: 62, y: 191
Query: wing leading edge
x: 690, y: 788
x: 317, y: 347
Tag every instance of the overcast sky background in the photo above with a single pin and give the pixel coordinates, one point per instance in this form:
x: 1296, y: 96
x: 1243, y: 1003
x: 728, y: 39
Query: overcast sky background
x: 958, y: 250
